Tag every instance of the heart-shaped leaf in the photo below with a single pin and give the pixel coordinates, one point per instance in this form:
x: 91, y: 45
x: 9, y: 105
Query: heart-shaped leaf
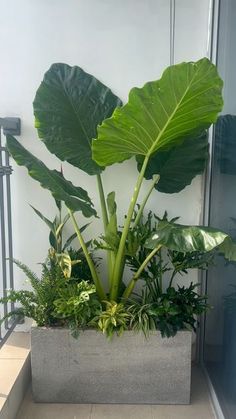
x: 158, y: 116
x: 178, y: 166
x: 184, y: 238
x: 74, y: 197
x: 68, y: 106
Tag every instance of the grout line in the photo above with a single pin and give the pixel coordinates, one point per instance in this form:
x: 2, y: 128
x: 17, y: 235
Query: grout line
x: 3, y: 358
x: 91, y: 411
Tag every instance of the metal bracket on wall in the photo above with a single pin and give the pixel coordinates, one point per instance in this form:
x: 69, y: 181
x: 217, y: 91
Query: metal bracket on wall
x: 10, y: 125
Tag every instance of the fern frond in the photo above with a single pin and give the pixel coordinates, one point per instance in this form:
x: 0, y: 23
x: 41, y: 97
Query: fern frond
x: 33, y: 278
x: 14, y: 296
x: 17, y: 312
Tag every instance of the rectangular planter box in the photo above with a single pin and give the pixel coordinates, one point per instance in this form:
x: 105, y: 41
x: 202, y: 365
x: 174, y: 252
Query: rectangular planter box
x: 128, y: 369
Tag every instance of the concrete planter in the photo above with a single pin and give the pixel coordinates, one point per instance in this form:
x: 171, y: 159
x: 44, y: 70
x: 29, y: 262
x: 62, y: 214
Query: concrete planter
x: 129, y: 369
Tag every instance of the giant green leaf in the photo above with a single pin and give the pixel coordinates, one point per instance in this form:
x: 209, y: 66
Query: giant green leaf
x: 159, y: 115
x: 178, y: 166
x: 74, y: 197
x: 68, y: 106
x: 186, y: 239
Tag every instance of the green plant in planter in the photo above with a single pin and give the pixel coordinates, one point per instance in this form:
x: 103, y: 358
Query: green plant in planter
x: 56, y: 227
x: 163, y: 125
x: 77, y: 304
x: 114, y: 319
x: 54, y: 300
x: 171, y: 311
x: 37, y: 303
x: 161, y: 306
x: 72, y: 262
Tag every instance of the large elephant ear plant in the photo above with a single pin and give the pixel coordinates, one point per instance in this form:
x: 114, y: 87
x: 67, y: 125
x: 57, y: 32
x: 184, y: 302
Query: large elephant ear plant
x: 163, y: 125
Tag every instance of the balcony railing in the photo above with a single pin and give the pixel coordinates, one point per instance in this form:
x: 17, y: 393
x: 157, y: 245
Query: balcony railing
x: 7, y: 126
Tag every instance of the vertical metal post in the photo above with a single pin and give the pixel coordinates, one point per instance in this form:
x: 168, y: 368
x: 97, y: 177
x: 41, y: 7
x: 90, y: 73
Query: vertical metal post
x: 3, y: 233
x: 11, y: 126
x: 9, y: 224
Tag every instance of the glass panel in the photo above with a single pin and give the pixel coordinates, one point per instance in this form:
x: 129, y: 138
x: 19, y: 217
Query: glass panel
x: 220, y: 328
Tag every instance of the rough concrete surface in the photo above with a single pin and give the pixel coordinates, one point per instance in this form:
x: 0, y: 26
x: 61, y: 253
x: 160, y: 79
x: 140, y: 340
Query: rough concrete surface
x: 129, y: 369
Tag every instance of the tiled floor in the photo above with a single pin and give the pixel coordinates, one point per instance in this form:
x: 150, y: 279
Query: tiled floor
x: 200, y: 408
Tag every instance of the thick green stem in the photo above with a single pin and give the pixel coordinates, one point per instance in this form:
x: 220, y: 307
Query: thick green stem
x: 172, y: 277
x: 160, y: 284
x: 103, y: 202
x: 110, y: 254
x: 120, y: 253
x: 136, y: 276
x: 140, y: 211
x: 94, y: 274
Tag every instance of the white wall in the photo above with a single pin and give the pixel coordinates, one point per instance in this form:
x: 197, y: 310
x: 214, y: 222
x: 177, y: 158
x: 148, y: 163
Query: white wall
x: 123, y: 43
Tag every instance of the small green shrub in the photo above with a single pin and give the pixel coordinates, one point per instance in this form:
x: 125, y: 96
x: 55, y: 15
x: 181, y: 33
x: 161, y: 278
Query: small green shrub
x: 54, y: 300
x: 115, y: 319
x: 77, y: 304
x: 72, y: 261
x: 38, y: 303
x: 174, y: 310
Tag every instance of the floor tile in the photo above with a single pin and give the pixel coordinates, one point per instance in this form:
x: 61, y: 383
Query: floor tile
x: 9, y: 370
x: 121, y: 411
x: 200, y: 407
x: 17, y: 346
x: 3, y: 398
x: 31, y: 410
x: 3, y: 410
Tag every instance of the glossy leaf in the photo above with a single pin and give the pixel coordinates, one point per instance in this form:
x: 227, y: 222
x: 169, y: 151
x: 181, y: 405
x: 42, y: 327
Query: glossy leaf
x: 178, y: 166
x: 68, y: 107
x: 161, y: 114
x: 186, y: 238
x: 74, y: 197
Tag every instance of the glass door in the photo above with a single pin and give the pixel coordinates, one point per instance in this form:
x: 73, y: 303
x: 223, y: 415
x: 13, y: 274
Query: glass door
x: 220, y: 325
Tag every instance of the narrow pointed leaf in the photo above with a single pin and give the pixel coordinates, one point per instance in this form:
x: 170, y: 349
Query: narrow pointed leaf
x: 43, y: 218
x: 68, y: 107
x: 186, y: 238
x: 161, y: 114
x: 53, y: 240
x: 73, y: 236
x: 58, y: 204
x: 69, y: 241
x: 74, y: 197
x: 178, y: 166
x: 65, y: 219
